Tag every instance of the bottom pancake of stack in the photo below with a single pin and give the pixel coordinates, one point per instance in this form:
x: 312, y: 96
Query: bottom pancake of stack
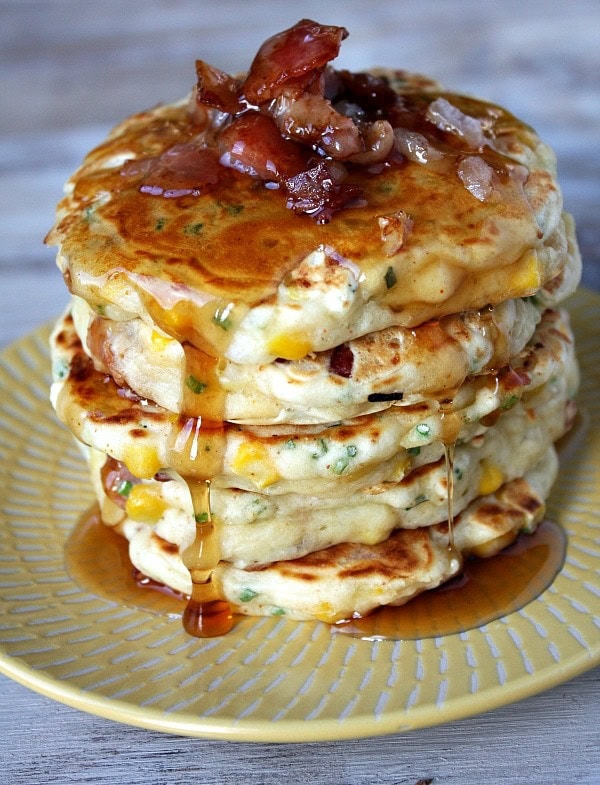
x: 328, y: 522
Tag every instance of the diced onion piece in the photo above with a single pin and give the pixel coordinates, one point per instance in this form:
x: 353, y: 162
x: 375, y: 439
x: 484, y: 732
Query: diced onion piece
x: 415, y: 146
x: 448, y: 117
x: 476, y: 175
x: 394, y: 230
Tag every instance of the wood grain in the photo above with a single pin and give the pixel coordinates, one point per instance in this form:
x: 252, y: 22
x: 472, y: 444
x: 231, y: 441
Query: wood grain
x: 70, y: 70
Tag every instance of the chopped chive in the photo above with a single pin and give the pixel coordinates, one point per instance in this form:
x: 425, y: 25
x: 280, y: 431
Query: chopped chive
x: 124, y: 488
x: 221, y: 316
x: 193, y: 228
x: 247, y: 595
x: 352, y: 450
x: 414, y: 450
x: 423, y: 429
x: 339, y: 466
x: 419, y: 500
x: 390, y: 277
x: 201, y: 517
x: 323, y: 449
x: 290, y: 444
x: 278, y: 612
x: 195, y: 385
x: 160, y: 224
x: 510, y: 401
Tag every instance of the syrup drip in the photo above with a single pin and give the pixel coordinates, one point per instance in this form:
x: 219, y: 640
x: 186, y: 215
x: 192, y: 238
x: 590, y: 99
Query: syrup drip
x: 206, y: 615
x: 449, y: 450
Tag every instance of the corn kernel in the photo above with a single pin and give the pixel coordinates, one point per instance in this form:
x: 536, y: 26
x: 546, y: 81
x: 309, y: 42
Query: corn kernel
x: 491, y: 478
x: 159, y: 341
x: 289, y: 346
x: 527, y: 278
x: 143, y: 504
x: 252, y: 460
x: 142, y: 461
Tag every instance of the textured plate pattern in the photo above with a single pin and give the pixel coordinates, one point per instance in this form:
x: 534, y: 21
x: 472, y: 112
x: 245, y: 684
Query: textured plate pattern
x: 270, y: 679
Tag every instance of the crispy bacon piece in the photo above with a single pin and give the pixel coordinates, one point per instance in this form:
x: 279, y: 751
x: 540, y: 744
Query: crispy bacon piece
x: 316, y: 193
x: 253, y: 145
x: 182, y: 170
x: 311, y: 119
x: 218, y: 89
x: 341, y: 361
x: 294, y: 57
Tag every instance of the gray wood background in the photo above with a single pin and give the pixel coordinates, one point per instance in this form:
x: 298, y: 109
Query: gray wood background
x: 69, y: 70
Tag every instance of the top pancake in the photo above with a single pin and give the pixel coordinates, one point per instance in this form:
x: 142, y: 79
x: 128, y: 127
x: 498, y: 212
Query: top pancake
x: 230, y: 258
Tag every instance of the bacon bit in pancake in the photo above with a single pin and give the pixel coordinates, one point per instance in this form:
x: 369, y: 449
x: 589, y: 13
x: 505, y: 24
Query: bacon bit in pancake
x: 342, y: 361
x: 117, y: 481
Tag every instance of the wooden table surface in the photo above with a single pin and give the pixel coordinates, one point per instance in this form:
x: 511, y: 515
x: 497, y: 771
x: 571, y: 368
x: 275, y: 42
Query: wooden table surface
x: 70, y: 70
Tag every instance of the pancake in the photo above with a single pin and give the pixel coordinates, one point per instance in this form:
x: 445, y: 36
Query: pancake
x: 314, y: 319
x: 256, y: 528
x: 290, y: 287
x: 352, y: 578
x: 281, y: 459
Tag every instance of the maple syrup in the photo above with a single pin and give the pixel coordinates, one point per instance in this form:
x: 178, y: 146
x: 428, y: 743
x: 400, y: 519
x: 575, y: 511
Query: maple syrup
x: 487, y: 589
x: 206, y: 614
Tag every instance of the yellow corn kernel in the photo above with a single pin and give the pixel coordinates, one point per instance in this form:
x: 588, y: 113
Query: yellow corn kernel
x: 400, y: 468
x: 527, y: 277
x: 159, y: 341
x: 144, y: 504
x: 289, y: 346
x: 252, y: 460
x: 142, y: 461
x: 491, y: 478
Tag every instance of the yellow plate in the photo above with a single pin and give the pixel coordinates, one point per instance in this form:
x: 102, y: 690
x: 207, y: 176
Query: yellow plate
x: 270, y: 679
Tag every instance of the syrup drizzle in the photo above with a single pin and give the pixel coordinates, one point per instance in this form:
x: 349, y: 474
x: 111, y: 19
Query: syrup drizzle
x: 206, y: 614
x: 449, y: 450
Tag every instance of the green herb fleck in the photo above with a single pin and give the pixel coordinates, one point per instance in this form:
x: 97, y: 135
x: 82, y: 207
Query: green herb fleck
x: 195, y: 385
x: 419, y: 500
x: 124, y: 488
x: 60, y: 369
x: 458, y: 473
x: 221, y: 316
x: 510, y: 401
x: 193, y: 229
x: 342, y: 463
x: 201, y: 517
x: 390, y: 277
x: 290, y: 444
x: 88, y: 213
x: 234, y: 209
x: 324, y: 449
x: 423, y: 429
x: 247, y: 595
x: 414, y: 450
x: 278, y: 612
x: 160, y: 224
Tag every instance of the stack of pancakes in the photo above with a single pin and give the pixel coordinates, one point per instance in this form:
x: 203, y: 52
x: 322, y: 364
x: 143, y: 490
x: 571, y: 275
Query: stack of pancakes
x: 317, y: 418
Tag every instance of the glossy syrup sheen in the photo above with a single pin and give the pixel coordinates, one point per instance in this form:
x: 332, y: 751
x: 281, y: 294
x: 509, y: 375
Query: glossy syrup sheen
x: 97, y: 558
x: 235, y: 241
